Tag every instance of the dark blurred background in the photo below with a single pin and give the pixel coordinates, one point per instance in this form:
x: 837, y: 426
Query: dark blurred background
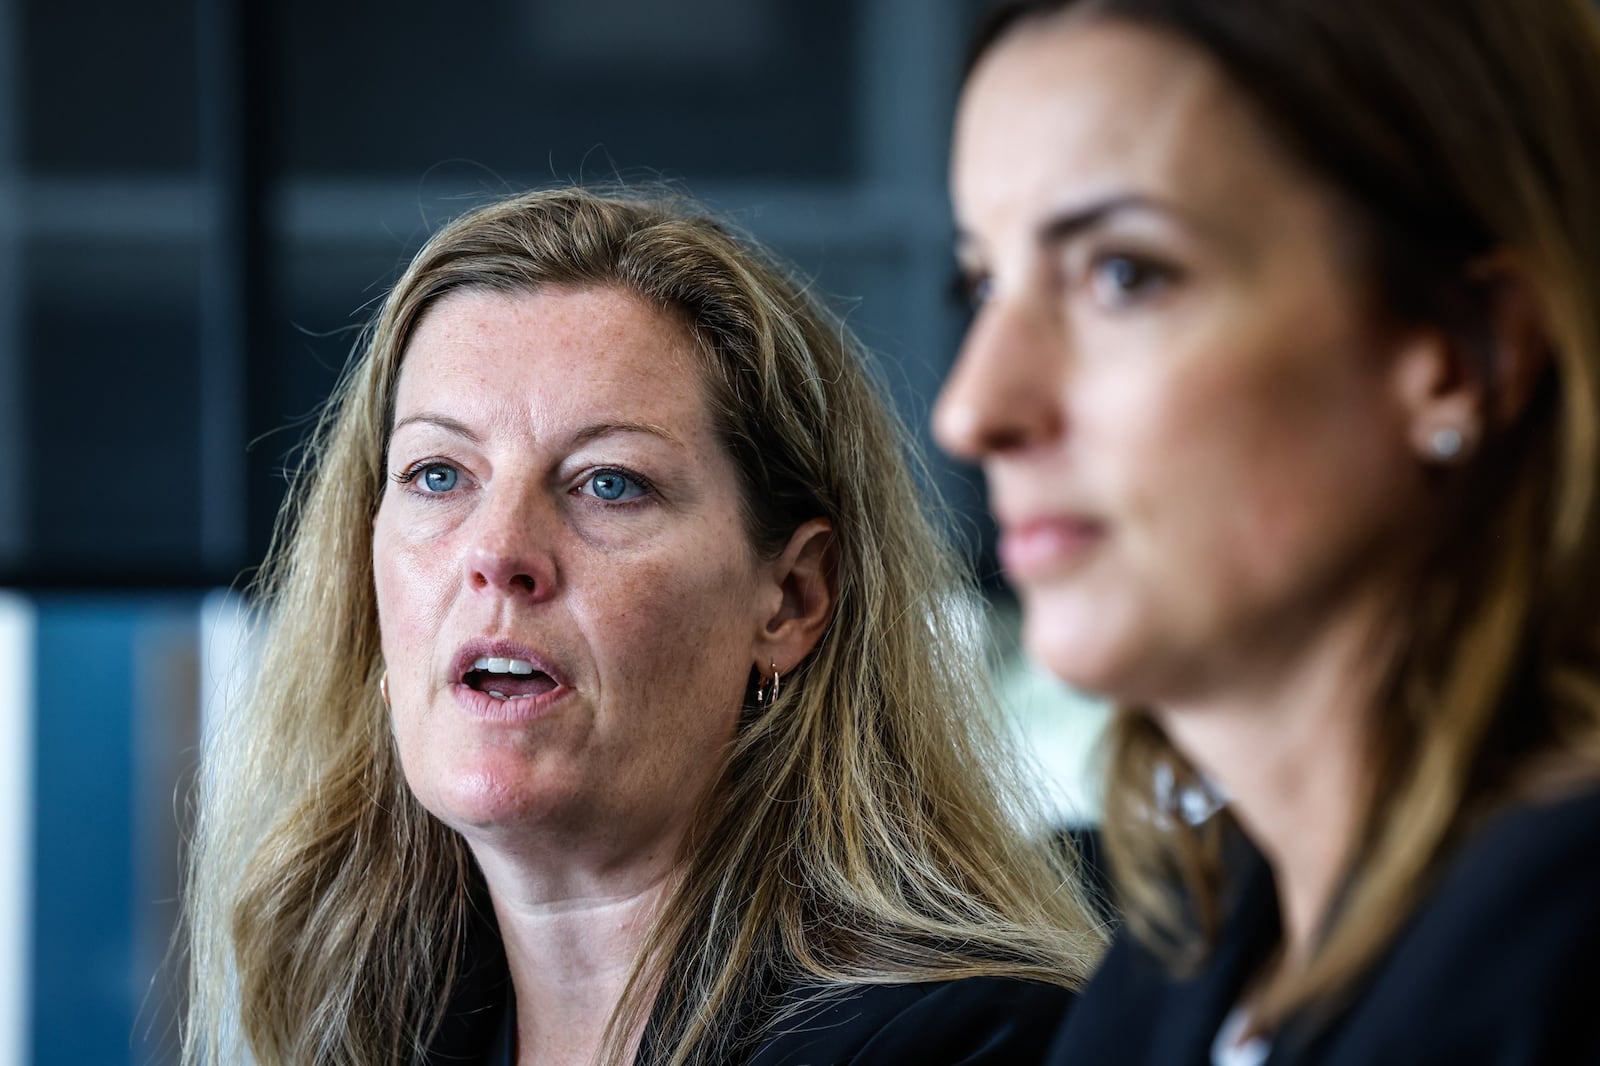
x: 201, y: 202
x: 203, y: 199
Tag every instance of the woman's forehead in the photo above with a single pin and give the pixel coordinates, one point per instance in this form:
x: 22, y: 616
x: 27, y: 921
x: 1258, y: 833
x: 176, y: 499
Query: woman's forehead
x: 555, y: 354
x: 1066, y: 111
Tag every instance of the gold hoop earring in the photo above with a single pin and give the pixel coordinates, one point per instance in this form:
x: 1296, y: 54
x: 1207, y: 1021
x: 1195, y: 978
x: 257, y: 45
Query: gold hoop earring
x: 383, y: 689
x: 768, y: 691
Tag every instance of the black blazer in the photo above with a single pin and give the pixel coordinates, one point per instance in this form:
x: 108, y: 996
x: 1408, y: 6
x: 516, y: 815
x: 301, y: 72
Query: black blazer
x: 981, y: 1021
x: 978, y: 1021
x: 1499, y: 966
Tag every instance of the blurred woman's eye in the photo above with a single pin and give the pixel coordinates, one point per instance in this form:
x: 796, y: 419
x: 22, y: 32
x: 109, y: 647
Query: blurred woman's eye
x: 971, y: 288
x: 430, y: 478
x: 614, y: 486
x: 1121, y: 281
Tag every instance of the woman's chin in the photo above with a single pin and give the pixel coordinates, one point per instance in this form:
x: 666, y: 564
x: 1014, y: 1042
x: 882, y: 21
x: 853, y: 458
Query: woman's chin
x: 490, y: 797
x: 1076, y: 644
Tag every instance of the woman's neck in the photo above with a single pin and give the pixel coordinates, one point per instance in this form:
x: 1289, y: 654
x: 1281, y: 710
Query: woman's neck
x: 1290, y: 752
x: 571, y: 954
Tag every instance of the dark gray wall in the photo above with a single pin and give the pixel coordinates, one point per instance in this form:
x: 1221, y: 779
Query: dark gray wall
x: 200, y: 201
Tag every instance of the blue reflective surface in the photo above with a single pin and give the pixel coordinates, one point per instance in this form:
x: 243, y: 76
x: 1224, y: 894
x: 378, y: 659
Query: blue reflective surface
x: 105, y: 865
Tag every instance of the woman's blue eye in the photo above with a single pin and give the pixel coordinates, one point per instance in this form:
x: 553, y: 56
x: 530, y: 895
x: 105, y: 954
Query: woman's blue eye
x: 614, y: 485
x: 437, y: 477
x: 1121, y: 280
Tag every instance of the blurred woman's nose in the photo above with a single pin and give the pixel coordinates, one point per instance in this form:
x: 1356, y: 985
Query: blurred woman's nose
x: 509, y: 551
x: 1003, y: 393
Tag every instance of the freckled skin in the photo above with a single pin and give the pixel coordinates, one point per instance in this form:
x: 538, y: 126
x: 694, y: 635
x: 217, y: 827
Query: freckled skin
x: 1236, y: 432
x: 648, y: 607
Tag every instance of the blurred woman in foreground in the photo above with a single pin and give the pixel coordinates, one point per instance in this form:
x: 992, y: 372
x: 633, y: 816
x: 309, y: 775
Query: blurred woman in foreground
x: 619, y: 701
x: 1286, y: 380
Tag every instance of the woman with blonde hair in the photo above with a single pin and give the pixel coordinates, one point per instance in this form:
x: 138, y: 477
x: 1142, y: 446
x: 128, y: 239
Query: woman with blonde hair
x: 1285, y: 377
x: 619, y: 701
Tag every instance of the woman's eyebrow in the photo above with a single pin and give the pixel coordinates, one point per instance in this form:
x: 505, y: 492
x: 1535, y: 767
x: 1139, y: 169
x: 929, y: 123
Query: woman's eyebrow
x: 1222, y: 235
x: 581, y: 436
x: 606, y: 429
x: 1062, y: 226
x: 444, y: 422
x: 1066, y: 224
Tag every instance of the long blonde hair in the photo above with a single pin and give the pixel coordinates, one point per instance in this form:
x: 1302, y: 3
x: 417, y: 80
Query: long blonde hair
x: 1454, y: 134
x: 863, y: 829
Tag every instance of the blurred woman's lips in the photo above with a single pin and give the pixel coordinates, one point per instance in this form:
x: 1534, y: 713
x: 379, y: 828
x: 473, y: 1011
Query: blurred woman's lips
x: 1051, y: 544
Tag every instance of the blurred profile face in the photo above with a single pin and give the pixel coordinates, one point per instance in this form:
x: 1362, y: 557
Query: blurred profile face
x: 1181, y: 401
x: 567, y: 596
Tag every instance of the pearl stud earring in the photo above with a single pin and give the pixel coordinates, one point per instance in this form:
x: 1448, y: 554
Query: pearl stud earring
x: 1447, y: 443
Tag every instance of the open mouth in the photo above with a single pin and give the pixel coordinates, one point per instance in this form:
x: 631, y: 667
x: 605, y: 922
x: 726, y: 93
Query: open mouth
x: 508, y: 679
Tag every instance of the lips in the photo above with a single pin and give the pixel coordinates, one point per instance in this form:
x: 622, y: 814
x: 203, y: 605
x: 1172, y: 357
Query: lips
x: 513, y: 679
x: 505, y: 671
x: 1047, y: 545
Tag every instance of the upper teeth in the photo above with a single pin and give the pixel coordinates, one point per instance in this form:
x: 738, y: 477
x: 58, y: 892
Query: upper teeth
x: 504, y: 666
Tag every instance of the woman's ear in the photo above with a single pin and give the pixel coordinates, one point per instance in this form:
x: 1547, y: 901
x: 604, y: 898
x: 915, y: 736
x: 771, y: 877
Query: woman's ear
x: 1519, y: 336
x: 805, y: 575
x: 1454, y: 386
x: 1440, y: 396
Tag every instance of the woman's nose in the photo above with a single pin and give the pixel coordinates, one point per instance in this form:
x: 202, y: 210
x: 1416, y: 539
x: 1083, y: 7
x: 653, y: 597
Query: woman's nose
x: 510, y: 550
x: 1003, y: 393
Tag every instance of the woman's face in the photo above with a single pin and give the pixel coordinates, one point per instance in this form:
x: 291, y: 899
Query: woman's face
x: 568, y: 599
x: 1190, y: 421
